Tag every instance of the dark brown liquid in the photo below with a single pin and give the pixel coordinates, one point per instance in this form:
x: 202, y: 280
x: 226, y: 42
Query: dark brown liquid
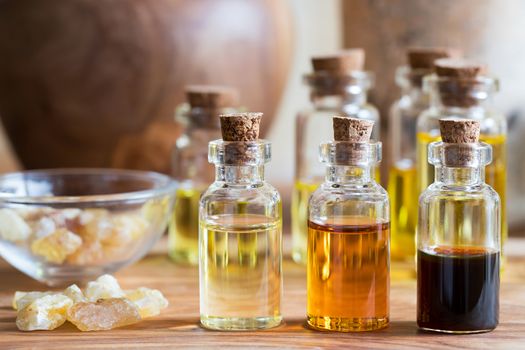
x: 458, y: 289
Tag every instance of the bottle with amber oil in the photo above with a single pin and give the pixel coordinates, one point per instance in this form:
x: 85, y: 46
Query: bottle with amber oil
x: 240, y: 233
x: 458, y: 236
x: 402, y: 175
x: 348, y: 265
x: 338, y: 86
x: 461, y: 89
x: 190, y: 165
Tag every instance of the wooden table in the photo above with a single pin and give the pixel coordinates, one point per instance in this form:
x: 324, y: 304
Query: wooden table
x: 177, y: 326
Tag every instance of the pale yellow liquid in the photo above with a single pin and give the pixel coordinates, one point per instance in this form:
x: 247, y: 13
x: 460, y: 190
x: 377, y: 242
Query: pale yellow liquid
x: 183, y: 246
x: 240, y: 272
x: 403, y: 219
x: 495, y: 172
x: 300, y: 197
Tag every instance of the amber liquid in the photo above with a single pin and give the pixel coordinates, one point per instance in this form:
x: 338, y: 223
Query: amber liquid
x: 495, y: 172
x: 183, y: 246
x: 458, y: 289
x: 300, y: 197
x: 404, y: 206
x: 348, y: 275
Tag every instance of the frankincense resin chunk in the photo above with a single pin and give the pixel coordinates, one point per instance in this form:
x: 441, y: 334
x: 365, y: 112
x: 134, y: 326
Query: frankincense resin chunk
x: 101, y: 305
x: 12, y: 227
x: 104, y: 287
x: 45, y: 313
x: 149, y: 301
x: 103, y: 314
x: 56, y: 247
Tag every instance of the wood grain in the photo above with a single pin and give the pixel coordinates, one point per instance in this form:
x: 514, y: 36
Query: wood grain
x: 177, y: 326
x: 78, y: 75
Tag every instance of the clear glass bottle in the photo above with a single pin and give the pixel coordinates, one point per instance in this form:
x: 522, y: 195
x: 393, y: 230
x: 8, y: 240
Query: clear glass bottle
x: 333, y: 92
x: 466, y: 98
x: 402, y: 131
x: 190, y: 165
x: 458, y: 243
x: 402, y: 175
x: 240, y: 240
x: 348, y: 268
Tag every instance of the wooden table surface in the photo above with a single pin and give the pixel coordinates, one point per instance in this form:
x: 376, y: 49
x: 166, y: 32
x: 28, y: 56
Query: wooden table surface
x: 177, y: 326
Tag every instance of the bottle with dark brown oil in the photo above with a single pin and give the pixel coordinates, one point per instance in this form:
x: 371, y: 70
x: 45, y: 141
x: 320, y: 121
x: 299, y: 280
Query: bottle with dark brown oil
x: 348, y: 264
x: 458, y: 236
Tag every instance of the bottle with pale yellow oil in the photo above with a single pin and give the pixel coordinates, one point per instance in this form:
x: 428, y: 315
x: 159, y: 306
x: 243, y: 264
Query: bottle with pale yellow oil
x: 402, y: 139
x: 338, y: 86
x: 190, y: 165
x: 240, y: 237
x: 462, y: 89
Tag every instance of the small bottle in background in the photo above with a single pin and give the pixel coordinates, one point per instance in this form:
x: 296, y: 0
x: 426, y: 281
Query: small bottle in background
x: 458, y: 236
x: 240, y: 238
x: 402, y: 174
x: 190, y: 164
x: 348, y: 269
x: 461, y: 89
x: 338, y: 86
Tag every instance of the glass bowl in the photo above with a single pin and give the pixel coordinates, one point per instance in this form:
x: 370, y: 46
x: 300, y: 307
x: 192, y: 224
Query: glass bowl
x: 72, y: 225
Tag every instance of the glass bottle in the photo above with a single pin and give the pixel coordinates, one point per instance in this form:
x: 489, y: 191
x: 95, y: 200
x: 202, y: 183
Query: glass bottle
x: 338, y: 86
x: 402, y: 129
x: 348, y: 268
x: 240, y: 233
x: 190, y: 165
x: 458, y: 239
x: 468, y: 97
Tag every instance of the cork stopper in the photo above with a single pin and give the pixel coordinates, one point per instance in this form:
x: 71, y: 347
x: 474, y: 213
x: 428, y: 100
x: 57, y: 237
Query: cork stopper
x: 460, y: 137
x: 458, y: 89
x: 424, y: 57
x: 352, y: 129
x: 458, y: 68
x: 341, y: 62
x: 211, y: 96
x: 240, y: 126
x: 459, y: 130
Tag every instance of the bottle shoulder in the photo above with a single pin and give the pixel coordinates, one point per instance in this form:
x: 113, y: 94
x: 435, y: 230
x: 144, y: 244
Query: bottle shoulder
x: 332, y: 191
x: 262, y: 191
x: 365, y: 111
x: 492, y: 121
x: 442, y: 192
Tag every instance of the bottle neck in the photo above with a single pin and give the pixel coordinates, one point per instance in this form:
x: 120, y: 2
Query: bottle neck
x: 349, y: 174
x: 454, y: 96
x: 239, y: 174
x: 347, y: 102
x: 416, y: 95
x: 459, y: 177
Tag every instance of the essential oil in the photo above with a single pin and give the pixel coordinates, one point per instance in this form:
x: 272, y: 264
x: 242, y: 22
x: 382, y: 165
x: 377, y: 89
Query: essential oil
x: 459, y: 288
x: 348, y: 274
x: 348, y: 266
x: 458, y: 236
x: 190, y: 166
x: 338, y: 86
x: 240, y: 239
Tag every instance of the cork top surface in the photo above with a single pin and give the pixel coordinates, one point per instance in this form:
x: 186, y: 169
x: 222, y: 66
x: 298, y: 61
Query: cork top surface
x: 458, y: 68
x: 352, y: 129
x: 424, y: 57
x: 211, y: 96
x: 459, y: 130
x: 240, y: 126
x: 341, y: 62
